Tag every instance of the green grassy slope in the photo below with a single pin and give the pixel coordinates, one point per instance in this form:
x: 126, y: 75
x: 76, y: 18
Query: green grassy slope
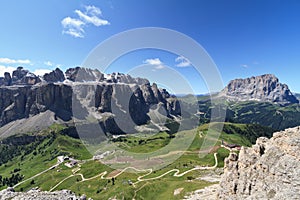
x: 39, y: 155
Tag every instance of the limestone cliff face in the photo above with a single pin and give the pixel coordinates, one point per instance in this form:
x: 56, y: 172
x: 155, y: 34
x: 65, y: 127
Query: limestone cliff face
x: 260, y: 88
x: 124, y: 98
x: 19, y: 102
x: 268, y: 170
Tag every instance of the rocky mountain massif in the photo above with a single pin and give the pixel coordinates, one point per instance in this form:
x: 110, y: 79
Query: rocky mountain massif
x: 268, y: 170
x: 114, y: 99
x: 260, y: 88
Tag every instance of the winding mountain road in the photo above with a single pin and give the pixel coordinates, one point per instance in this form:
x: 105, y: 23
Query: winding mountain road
x: 140, y: 178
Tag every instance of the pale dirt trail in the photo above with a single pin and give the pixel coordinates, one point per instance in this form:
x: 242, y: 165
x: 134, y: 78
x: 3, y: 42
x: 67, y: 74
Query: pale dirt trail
x: 52, y: 167
x: 139, y: 179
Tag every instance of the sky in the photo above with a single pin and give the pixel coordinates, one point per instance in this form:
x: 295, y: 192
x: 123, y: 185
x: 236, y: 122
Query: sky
x: 243, y: 38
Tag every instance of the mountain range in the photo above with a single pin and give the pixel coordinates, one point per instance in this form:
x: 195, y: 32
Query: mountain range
x: 117, y: 101
x: 121, y: 104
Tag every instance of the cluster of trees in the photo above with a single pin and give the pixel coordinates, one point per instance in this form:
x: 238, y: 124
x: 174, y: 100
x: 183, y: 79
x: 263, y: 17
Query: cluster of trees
x: 119, y: 139
x: 10, y: 150
x: 250, y: 131
x: 251, y: 112
x: 142, y: 141
x: 22, y: 145
x: 11, y: 181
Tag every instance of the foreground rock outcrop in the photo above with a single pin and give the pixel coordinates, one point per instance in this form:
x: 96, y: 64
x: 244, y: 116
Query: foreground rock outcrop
x: 260, y: 88
x: 36, y: 194
x: 268, y: 170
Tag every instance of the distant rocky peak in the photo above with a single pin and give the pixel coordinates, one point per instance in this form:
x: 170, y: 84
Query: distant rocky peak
x: 259, y: 88
x: 21, y: 76
x: 19, y: 73
x: 81, y: 74
x: 117, y: 77
x: 55, y: 76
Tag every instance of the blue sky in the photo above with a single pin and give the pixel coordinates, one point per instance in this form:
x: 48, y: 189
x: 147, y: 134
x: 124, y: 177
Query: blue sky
x: 244, y: 38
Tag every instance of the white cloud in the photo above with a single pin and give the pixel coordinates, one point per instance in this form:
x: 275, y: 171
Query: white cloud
x: 41, y: 72
x: 75, y: 26
x: 4, y: 69
x: 93, y: 10
x: 12, y: 61
x: 245, y: 66
x: 93, y: 19
x: 48, y: 63
x: 182, y: 62
x: 72, y: 22
x: 156, y: 62
x: 74, y: 32
x: 153, y: 61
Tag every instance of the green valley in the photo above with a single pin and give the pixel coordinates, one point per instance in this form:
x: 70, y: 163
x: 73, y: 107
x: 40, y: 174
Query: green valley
x: 37, y: 164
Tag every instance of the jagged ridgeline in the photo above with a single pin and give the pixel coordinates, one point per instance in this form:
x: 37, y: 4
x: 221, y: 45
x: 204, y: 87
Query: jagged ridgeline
x: 257, y: 100
x: 117, y: 102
